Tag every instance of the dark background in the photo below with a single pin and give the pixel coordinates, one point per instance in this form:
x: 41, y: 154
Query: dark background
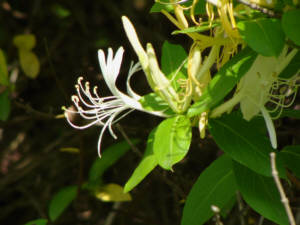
x: 31, y: 166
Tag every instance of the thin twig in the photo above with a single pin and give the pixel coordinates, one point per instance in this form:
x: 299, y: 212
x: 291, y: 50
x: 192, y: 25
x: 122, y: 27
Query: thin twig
x: 216, y: 211
x: 241, y: 208
x: 284, y: 199
x: 112, y: 215
x: 36, y: 113
x: 127, y: 139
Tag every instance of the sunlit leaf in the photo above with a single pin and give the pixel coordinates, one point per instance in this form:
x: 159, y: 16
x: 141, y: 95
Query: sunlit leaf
x: 172, y: 140
x: 224, y: 81
x: 264, y: 36
x: 112, y: 193
x: 37, y: 222
x: 148, y: 163
x: 260, y: 193
x: 215, y: 186
x: 153, y: 102
x: 4, y: 105
x: 291, y: 24
x: 3, y: 69
x: 30, y: 63
x: 172, y: 60
x: 24, y: 41
x: 157, y: 7
x: 60, y: 201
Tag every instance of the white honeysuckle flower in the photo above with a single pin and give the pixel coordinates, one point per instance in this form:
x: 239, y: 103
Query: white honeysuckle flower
x: 105, y: 111
x: 261, y: 85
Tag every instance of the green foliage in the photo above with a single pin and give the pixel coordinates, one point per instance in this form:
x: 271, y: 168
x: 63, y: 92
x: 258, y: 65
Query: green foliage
x: 29, y: 61
x: 290, y: 155
x: 3, y: 69
x: 24, y: 41
x: 61, y: 200
x: 240, y: 139
x: 109, y: 157
x: 171, y: 66
x: 265, y: 36
x: 224, y: 81
x: 37, y: 222
x: 148, y: 163
x: 260, y: 193
x: 215, y: 186
x: 172, y: 141
x: 153, y: 102
x: 4, y: 105
x: 291, y: 24
x: 204, y: 27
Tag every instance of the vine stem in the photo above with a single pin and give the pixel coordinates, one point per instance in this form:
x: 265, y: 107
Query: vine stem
x: 284, y: 199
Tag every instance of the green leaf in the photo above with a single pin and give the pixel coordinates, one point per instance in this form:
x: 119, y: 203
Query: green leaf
x: 264, y: 36
x: 292, y: 113
x: 243, y: 142
x: 30, y: 63
x: 153, y: 102
x: 215, y: 186
x: 260, y: 193
x: 224, y: 81
x: 172, y: 140
x: 173, y: 57
x: 37, y: 222
x: 3, y: 70
x: 290, y: 156
x: 60, y: 201
x: 60, y: 11
x: 109, y: 157
x: 291, y: 24
x: 148, y: 163
x: 204, y: 27
x: 4, y: 105
x: 292, y: 68
x: 112, y: 193
x: 157, y: 7
x: 24, y: 41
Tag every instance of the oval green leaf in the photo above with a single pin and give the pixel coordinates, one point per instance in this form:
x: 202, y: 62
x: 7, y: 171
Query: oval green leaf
x: 260, y: 193
x: 290, y: 24
x: 264, y: 36
x: 60, y: 201
x: 37, y: 222
x: 215, y: 186
x: 148, y: 163
x: 172, y: 140
x: 30, y: 63
x: 244, y: 142
x: 24, y: 41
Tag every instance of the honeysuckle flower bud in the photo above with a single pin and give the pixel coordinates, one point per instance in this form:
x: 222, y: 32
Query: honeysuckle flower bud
x: 105, y: 111
x: 156, y: 79
x: 259, y: 86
